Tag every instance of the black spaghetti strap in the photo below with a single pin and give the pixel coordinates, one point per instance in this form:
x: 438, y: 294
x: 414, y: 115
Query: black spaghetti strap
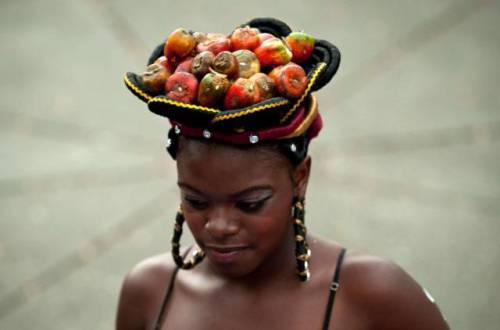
x: 159, y: 321
x: 333, y: 290
x: 161, y: 316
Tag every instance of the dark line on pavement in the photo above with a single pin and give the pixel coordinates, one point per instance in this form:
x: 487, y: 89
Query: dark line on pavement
x: 77, y: 180
x: 72, y: 132
x: 476, y: 134
x: 123, y: 31
x: 423, y: 33
x: 385, y: 188
x: 80, y: 258
x: 348, y: 86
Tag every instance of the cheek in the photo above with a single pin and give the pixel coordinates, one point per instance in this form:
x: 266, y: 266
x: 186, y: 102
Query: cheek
x: 194, y: 220
x: 273, y: 225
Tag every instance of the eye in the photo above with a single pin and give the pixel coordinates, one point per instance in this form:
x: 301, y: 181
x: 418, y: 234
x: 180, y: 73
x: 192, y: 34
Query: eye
x: 252, y: 206
x: 195, y: 203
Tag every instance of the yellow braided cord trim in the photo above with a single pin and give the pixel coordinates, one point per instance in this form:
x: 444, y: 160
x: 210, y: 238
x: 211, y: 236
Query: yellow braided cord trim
x: 136, y: 89
x: 249, y: 111
x: 308, y: 120
x: 315, y: 75
x: 183, y: 105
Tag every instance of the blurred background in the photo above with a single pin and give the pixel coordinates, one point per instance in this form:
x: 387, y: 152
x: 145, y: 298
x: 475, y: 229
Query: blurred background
x: 407, y: 166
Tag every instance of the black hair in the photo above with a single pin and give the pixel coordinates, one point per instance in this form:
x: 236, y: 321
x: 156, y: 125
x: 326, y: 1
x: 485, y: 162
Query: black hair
x: 295, y: 149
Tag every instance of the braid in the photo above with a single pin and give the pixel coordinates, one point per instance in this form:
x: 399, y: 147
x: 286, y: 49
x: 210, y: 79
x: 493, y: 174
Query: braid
x: 302, y: 251
x: 176, y: 246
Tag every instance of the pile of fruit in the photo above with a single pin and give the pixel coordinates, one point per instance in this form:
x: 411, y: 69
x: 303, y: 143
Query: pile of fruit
x: 229, y: 72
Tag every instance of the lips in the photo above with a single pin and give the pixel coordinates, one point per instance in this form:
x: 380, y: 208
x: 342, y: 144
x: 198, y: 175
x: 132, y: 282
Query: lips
x: 224, y: 254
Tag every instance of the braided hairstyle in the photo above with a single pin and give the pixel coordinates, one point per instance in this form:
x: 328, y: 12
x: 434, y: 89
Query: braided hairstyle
x: 279, y: 124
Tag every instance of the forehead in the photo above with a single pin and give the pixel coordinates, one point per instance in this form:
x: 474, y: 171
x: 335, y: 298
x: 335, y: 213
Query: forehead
x: 224, y: 169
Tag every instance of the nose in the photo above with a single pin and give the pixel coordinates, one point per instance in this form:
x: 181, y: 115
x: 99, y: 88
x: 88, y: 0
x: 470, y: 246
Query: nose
x: 221, y: 223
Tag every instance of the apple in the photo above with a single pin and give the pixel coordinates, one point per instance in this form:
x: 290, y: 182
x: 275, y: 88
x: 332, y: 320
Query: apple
x: 265, y: 85
x: 243, y: 92
x: 290, y: 80
x: 301, y: 45
x: 154, y: 78
x: 202, y: 63
x: 215, y: 43
x: 179, y: 45
x: 185, y: 65
x: 265, y: 36
x: 245, y: 38
x: 226, y: 63
x: 212, y: 89
x: 182, y: 86
x: 247, y: 62
x: 273, y: 52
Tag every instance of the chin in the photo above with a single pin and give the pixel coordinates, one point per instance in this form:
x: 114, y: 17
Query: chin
x: 232, y: 265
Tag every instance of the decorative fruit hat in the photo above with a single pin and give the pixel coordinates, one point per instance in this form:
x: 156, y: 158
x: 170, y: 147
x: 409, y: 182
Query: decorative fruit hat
x: 251, y: 86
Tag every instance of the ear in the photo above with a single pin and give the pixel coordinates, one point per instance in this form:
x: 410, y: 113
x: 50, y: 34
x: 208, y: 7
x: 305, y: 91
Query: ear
x: 301, y: 176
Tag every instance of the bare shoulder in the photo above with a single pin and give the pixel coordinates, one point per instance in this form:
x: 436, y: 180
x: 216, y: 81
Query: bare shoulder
x: 387, y: 295
x: 142, y: 292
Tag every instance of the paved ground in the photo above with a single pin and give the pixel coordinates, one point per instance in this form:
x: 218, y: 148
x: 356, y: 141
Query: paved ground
x: 410, y: 152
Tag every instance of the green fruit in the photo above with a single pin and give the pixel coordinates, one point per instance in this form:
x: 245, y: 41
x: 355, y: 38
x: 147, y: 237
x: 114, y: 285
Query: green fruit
x: 202, y: 63
x: 212, y: 89
x: 226, y: 63
x: 247, y: 62
x: 265, y: 85
x: 301, y: 44
x: 154, y: 78
x: 273, y: 52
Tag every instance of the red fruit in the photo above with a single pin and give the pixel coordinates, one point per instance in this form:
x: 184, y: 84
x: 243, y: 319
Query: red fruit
x: 290, y: 80
x: 202, y: 63
x: 301, y: 45
x: 212, y: 89
x: 265, y: 85
x: 273, y: 52
x: 182, y: 86
x: 173, y: 62
x: 242, y: 93
x: 226, y: 63
x: 265, y: 36
x: 185, y: 66
x: 245, y: 38
x: 214, y: 43
x: 154, y: 78
x: 247, y: 62
x: 274, y: 74
x: 163, y: 61
x: 179, y: 44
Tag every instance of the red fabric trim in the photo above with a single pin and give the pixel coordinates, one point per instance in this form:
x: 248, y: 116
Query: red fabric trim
x: 244, y: 138
x: 274, y: 133
x: 315, y: 127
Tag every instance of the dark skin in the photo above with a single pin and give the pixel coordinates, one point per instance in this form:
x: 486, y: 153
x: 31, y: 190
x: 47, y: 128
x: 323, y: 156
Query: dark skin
x: 237, y: 205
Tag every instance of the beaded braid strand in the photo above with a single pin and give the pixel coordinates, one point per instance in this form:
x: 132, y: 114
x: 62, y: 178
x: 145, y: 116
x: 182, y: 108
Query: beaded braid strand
x: 176, y: 246
x: 302, y: 251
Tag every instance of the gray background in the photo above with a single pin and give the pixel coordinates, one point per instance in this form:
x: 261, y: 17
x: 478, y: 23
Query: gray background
x: 407, y: 166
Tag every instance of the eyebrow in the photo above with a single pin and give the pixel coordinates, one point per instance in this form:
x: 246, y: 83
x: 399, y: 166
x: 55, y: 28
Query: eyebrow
x: 235, y: 195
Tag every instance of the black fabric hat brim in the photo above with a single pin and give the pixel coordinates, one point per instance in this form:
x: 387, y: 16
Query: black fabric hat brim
x: 320, y: 68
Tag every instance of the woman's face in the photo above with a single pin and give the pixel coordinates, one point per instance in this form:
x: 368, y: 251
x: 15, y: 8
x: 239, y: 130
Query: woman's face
x: 237, y: 203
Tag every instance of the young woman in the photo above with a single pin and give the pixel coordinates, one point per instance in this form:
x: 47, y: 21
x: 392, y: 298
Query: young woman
x: 254, y: 265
